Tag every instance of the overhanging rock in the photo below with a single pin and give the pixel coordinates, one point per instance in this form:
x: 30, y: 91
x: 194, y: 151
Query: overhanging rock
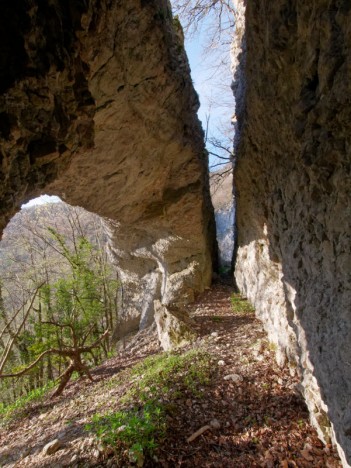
x: 98, y: 107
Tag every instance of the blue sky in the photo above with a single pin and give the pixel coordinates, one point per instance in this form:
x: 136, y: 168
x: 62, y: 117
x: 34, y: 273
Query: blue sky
x: 212, y: 83
x: 41, y: 200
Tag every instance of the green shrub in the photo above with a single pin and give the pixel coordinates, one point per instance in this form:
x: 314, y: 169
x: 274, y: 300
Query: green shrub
x: 134, y: 430
x: 240, y: 305
x: 156, y: 383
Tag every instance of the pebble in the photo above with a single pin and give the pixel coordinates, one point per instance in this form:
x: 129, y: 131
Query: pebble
x: 25, y: 452
x: 52, y: 447
x: 221, y: 363
x: 234, y: 377
x: 214, y: 334
x: 215, y: 424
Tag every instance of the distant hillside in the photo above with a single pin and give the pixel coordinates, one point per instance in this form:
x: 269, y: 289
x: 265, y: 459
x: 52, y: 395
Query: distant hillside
x: 26, y: 249
x: 221, y: 186
x: 30, y: 222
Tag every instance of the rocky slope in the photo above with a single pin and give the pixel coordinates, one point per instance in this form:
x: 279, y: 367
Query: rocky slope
x: 97, y: 107
x: 293, y: 187
x: 224, y: 403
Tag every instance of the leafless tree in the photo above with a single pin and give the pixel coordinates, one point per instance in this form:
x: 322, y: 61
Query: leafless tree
x: 193, y: 13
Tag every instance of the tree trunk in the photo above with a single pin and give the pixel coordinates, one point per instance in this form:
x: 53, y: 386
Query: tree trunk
x: 65, y: 377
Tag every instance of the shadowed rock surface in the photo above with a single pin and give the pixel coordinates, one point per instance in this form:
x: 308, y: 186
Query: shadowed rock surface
x: 97, y: 107
x: 293, y: 195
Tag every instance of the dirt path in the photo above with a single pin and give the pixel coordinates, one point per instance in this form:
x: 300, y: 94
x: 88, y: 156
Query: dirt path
x: 256, y: 417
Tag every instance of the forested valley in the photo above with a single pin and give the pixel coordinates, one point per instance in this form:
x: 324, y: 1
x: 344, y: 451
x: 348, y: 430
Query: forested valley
x: 58, y: 298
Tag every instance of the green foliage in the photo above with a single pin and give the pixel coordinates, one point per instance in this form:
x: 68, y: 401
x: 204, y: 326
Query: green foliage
x: 135, y: 430
x: 156, y: 383
x: 216, y: 318
x: 170, y: 374
x: 72, y: 305
x: 60, y: 248
x: 67, y: 314
x: 14, y: 409
x: 240, y: 305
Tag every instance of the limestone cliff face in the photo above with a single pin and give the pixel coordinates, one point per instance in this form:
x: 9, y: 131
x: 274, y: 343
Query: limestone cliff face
x: 97, y: 107
x: 293, y: 195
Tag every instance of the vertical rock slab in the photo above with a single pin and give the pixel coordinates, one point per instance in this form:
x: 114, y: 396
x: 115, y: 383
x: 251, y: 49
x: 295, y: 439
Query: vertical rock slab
x: 293, y: 185
x: 174, y: 327
x: 101, y: 111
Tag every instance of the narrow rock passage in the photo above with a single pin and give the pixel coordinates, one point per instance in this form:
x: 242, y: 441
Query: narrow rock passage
x: 250, y: 415
x: 263, y: 419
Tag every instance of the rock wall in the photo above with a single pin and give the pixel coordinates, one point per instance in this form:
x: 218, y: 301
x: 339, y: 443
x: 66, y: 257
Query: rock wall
x: 293, y: 188
x: 98, y: 108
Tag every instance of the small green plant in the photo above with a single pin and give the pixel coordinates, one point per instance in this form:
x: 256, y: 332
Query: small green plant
x: 240, y: 305
x: 272, y: 346
x: 135, y: 430
x: 112, y: 353
x: 14, y: 409
x: 216, y: 318
x: 224, y: 270
x: 156, y: 383
x: 176, y: 23
x: 166, y: 373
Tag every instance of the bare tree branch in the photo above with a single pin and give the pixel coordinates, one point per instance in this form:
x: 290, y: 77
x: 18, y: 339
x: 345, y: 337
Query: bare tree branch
x: 59, y: 352
x: 11, y: 341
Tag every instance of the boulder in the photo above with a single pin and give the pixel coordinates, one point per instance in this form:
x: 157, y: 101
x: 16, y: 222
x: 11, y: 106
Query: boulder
x: 173, y: 326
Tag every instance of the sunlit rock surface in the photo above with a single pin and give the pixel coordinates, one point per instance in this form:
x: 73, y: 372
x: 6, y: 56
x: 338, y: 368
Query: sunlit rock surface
x: 293, y: 190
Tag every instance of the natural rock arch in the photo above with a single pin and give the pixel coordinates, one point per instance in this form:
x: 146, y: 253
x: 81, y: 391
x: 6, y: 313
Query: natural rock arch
x: 98, y: 108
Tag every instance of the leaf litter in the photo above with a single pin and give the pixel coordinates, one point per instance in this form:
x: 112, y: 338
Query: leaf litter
x: 250, y: 413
